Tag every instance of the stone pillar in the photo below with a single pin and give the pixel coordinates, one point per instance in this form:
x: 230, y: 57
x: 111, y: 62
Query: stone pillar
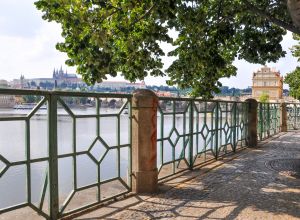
x: 144, y: 141
x: 252, y: 123
x: 283, y: 117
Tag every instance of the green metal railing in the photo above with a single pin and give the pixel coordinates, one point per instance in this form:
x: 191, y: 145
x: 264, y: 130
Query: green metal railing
x: 192, y: 131
x: 72, y: 150
x: 63, y: 163
x: 268, y: 115
x: 293, y: 116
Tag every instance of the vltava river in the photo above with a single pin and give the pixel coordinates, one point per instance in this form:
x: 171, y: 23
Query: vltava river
x: 13, y: 148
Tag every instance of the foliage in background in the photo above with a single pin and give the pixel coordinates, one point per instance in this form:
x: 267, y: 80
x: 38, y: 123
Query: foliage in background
x: 293, y: 78
x: 31, y: 99
x: 264, y: 98
x: 105, y: 37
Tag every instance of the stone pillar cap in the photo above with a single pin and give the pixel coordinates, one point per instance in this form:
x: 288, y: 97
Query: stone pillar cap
x: 144, y: 98
x: 144, y: 92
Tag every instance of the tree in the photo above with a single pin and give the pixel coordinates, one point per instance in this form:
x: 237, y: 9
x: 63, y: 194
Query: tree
x: 293, y: 78
x: 264, y: 98
x: 294, y: 7
x: 104, y: 37
x: 32, y: 84
x: 31, y: 98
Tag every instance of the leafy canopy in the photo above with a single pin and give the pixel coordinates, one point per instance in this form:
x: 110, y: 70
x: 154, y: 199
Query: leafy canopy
x: 104, y: 37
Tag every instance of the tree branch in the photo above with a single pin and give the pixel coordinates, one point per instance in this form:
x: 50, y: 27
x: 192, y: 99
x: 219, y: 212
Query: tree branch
x: 144, y: 15
x: 262, y: 13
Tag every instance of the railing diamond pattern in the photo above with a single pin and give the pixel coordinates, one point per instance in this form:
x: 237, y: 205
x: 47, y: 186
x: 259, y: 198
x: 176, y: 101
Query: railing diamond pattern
x: 98, y: 150
x: 293, y: 116
x: 206, y: 130
x: 268, y: 120
x: 4, y: 165
x: 93, y: 162
x: 55, y: 109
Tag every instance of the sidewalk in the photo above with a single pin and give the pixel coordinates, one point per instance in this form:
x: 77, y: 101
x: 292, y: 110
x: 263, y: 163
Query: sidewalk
x: 243, y: 186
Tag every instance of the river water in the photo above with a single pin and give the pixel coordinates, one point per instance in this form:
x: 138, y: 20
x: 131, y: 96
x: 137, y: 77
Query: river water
x: 13, y: 141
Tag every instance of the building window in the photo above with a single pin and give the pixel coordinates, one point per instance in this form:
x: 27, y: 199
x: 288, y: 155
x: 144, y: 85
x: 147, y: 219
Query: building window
x: 265, y: 83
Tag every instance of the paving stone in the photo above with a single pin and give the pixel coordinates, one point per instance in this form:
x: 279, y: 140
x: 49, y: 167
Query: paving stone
x: 243, y: 187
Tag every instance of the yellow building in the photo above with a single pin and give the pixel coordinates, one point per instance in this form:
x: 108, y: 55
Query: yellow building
x: 267, y: 81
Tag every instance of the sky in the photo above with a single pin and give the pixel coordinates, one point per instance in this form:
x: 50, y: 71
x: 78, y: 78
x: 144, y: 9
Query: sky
x: 27, y: 46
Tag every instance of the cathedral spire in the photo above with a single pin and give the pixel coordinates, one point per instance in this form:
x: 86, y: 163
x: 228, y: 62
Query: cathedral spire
x: 54, y: 73
x: 61, y: 72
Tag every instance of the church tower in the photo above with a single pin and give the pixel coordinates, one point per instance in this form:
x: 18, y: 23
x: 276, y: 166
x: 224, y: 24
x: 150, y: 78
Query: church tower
x: 54, y: 74
x: 61, y: 72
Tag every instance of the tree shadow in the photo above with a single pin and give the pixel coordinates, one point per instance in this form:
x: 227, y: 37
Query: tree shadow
x: 243, y: 188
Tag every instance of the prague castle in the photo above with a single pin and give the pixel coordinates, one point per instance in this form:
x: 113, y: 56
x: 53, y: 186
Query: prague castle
x: 61, y: 75
x: 267, y: 81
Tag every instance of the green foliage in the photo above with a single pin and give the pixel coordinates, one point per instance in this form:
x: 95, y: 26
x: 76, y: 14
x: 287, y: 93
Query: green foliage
x: 293, y: 78
x: 264, y: 98
x: 104, y: 37
x: 296, y: 48
x: 31, y: 98
x: 226, y: 91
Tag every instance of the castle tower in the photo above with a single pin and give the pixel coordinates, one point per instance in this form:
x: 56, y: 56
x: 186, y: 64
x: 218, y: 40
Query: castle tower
x: 61, y: 72
x: 54, y: 74
x: 22, y: 78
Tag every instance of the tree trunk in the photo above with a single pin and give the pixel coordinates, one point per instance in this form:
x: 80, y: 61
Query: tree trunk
x: 294, y: 9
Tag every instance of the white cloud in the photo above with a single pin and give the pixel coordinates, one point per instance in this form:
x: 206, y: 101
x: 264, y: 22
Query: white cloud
x: 243, y: 79
x: 34, y: 57
x: 19, y: 18
x: 27, y: 46
x: 27, y: 42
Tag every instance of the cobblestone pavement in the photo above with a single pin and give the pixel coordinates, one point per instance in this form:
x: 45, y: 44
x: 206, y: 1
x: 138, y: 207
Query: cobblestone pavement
x: 243, y: 188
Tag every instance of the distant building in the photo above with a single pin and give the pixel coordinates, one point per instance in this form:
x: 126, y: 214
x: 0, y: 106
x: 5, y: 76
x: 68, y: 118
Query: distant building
x: 227, y: 98
x: 121, y: 84
x: 62, y: 79
x: 267, y: 81
x: 164, y: 94
x: 3, y: 83
x: 19, y: 83
x: 6, y: 101
x: 61, y: 75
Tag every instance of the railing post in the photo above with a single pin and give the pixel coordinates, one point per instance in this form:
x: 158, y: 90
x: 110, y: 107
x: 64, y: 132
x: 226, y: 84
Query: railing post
x: 234, y: 126
x: 283, y: 117
x: 295, y: 116
x: 217, y: 131
x: 261, y: 122
x: 191, y: 129
x: 144, y: 141
x: 268, y: 119
x: 252, y: 123
x: 53, y: 161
